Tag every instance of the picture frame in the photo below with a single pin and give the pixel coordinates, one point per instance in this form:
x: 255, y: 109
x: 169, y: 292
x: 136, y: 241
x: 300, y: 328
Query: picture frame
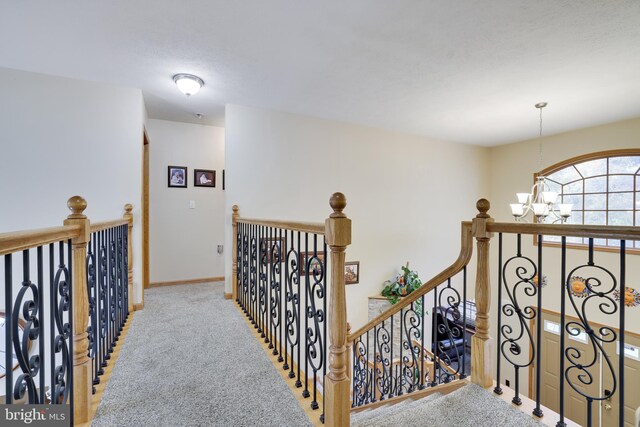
x: 204, y: 178
x: 269, y: 241
x: 351, y: 272
x: 177, y: 176
x: 223, y: 180
x: 304, y: 256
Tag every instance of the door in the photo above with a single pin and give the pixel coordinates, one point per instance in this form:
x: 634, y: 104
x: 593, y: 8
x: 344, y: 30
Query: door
x: 610, y: 408
x: 145, y: 214
x: 575, y: 404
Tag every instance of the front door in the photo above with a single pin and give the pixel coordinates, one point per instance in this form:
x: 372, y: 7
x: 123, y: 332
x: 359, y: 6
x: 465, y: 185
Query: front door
x: 610, y: 408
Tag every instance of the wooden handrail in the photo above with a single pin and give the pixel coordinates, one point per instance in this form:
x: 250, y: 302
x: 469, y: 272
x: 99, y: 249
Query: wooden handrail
x: 103, y: 225
x: 304, y: 227
x: 20, y: 240
x: 466, y: 250
x: 569, y: 230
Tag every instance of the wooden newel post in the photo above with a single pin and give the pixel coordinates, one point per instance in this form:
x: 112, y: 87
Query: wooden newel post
x: 128, y: 208
x: 82, y: 378
x: 338, y: 235
x: 482, y: 344
x: 234, y: 253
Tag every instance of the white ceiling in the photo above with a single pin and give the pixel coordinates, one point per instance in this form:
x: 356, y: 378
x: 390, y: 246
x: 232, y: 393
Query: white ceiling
x: 465, y: 71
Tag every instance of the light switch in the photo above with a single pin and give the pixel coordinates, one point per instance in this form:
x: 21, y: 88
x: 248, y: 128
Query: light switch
x: 192, y: 204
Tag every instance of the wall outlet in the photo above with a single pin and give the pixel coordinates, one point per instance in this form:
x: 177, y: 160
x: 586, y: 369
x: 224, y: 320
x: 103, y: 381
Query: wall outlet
x: 192, y: 204
x: 220, y: 249
x: 506, y: 382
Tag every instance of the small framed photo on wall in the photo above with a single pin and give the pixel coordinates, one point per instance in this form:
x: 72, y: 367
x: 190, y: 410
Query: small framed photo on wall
x: 315, y: 261
x: 177, y: 177
x: 204, y: 178
x: 351, y: 272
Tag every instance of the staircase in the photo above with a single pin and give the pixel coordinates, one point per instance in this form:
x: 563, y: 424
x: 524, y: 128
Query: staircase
x: 470, y: 405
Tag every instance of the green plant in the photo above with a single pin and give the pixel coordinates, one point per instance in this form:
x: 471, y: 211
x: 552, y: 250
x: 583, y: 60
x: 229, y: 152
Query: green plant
x: 401, y: 285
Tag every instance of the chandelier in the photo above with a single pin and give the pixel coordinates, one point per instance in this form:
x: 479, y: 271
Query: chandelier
x: 541, y: 201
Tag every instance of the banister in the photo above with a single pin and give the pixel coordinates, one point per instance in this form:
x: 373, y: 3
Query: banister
x: 466, y: 250
x: 21, y: 240
x: 104, y: 225
x: 304, y: 227
x: 569, y: 230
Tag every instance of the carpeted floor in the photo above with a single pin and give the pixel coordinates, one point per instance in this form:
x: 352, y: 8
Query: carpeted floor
x: 189, y: 359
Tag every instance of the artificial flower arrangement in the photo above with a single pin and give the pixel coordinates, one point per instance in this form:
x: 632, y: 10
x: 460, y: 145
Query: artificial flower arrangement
x: 401, y: 285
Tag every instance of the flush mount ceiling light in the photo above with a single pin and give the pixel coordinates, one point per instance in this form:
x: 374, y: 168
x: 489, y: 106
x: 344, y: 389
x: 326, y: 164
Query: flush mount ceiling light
x: 188, y: 83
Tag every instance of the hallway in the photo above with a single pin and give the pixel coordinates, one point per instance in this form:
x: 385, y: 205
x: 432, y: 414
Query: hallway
x: 189, y: 359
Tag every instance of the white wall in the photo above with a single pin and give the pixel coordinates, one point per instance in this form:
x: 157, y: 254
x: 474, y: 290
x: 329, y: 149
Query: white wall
x: 61, y: 137
x: 183, y: 242
x: 512, y: 169
x: 406, y: 194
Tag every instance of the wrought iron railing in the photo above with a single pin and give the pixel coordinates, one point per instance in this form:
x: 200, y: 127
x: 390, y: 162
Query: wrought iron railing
x: 38, y: 324
x: 589, y: 286
x: 422, y: 341
x: 65, y: 301
x: 282, y: 288
x: 108, y: 291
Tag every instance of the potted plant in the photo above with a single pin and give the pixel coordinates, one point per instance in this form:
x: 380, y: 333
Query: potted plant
x: 401, y: 285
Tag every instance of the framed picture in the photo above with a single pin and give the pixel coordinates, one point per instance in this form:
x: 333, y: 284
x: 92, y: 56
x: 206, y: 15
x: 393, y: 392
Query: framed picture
x: 351, y: 272
x: 316, y: 260
x: 177, y: 176
x: 270, y: 242
x: 204, y: 178
x: 223, y: 180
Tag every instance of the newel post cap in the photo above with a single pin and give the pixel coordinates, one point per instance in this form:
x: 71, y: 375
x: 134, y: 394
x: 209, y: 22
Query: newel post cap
x: 483, y: 207
x: 128, y: 208
x: 77, y: 205
x: 338, y: 202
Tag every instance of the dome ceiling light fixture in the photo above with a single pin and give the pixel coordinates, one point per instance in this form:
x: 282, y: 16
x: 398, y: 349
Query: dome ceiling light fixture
x: 188, y: 83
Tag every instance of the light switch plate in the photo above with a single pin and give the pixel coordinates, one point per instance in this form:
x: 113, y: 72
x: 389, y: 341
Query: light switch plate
x: 192, y: 204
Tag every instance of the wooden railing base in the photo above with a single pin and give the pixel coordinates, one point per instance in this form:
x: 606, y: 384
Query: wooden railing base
x: 482, y: 360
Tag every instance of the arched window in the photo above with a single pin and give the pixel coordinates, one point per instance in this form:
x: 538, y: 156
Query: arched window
x: 604, y: 189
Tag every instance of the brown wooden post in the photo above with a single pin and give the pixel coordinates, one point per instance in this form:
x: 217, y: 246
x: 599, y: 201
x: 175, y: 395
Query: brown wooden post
x: 336, y: 397
x: 82, y: 378
x: 481, y: 343
x: 129, y: 217
x: 234, y: 253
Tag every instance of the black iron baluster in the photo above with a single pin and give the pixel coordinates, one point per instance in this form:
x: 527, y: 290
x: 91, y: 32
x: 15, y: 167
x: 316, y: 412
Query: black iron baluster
x: 8, y: 289
x: 41, y: 339
x: 253, y: 278
x: 376, y: 372
x: 563, y: 272
x: 537, y: 411
x: 25, y: 383
x: 623, y: 289
x: 399, y: 379
x: 118, y: 284
x: 278, y: 264
x: 315, y: 344
x: 104, y: 301
x: 422, y: 347
x: 53, y: 292
x: 305, y: 261
x: 62, y: 342
x: 497, y: 389
x: 238, y: 244
x: 579, y: 365
x: 91, y: 328
x: 325, y: 339
x: 300, y: 310
x: 69, y: 335
x: 434, y: 339
x: 263, y: 283
x: 391, y: 376
x: 463, y: 371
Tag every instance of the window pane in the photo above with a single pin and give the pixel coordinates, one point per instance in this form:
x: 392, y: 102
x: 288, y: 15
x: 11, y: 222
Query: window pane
x: 595, y: 218
x: 565, y: 175
x: 621, y: 218
x: 612, y: 242
x: 576, y: 201
x: 593, y: 167
x: 620, y: 201
x: 620, y: 183
x: 554, y: 239
x: 576, y: 217
x: 595, y: 201
x: 624, y: 164
x: 573, y: 188
x: 597, y: 242
x: 574, y: 240
x: 638, y: 201
x: 595, y: 185
x: 554, y: 186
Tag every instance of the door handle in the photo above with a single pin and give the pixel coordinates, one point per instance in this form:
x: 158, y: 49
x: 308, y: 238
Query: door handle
x: 606, y: 406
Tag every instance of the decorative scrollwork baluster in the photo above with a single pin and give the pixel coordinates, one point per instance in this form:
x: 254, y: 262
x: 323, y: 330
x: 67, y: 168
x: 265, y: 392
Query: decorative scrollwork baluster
x: 449, y: 334
x: 253, y: 270
x: 583, y: 367
x: 61, y: 302
x: 293, y: 303
x: 382, y: 374
x: 275, y: 295
x: 525, y: 271
x: 263, y: 286
x: 315, y: 314
x: 410, y: 369
x: 91, y: 292
x: 29, y: 365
